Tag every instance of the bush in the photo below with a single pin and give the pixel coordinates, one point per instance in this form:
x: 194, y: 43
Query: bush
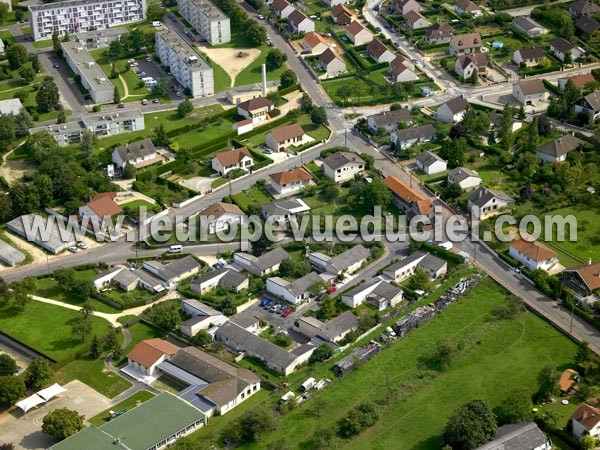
x: 359, y: 419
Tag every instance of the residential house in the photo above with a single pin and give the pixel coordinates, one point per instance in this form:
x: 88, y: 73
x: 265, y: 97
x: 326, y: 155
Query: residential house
x: 405, y: 268
x: 346, y: 262
x: 579, y: 81
x: 224, y: 277
x: 466, y: 65
x: 408, y: 200
x: 239, y: 158
x: 438, y: 33
x: 102, y: 206
x: 314, y: 43
x: 466, y: 178
x: 376, y: 292
x: 568, y: 381
x: 453, y: 110
x: 402, y: 70
x: 388, y: 120
x: 214, y: 386
x: 238, y: 94
x: 358, y: 34
x: 332, y: 3
x: 331, y: 63
x: 402, y: 7
x: 257, y: 109
x: 243, y: 126
x: 274, y: 357
x: 584, y: 8
x: 294, y: 292
x: 462, y: 44
x: 138, y: 153
x: 583, y: 279
x: 281, y: 138
x: 528, y: 26
x: 379, y: 52
x: 201, y: 316
x: 560, y: 47
x: 533, y: 255
x: 128, y: 280
x: 414, y: 20
x: 467, y: 7
x: 291, y: 180
x: 585, y: 421
x: 407, y: 137
x: 430, y: 163
x: 175, y: 271
x: 341, y: 15
x: 298, y: 22
x: 558, y: 149
x: 484, y: 202
x: 282, y: 8
x: 281, y: 212
x: 220, y: 216
x: 588, y: 28
x: 529, y: 56
x: 530, y: 92
x: 147, y: 355
x: 342, y: 166
x: 521, y: 436
x: 261, y: 265
x: 334, y: 330
x: 590, y: 104
x: 11, y: 105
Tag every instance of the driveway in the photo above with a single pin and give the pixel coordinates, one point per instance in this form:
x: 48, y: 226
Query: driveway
x: 24, y: 431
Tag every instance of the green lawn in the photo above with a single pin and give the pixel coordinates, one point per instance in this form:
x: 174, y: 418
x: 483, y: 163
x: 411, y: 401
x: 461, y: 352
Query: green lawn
x: 30, y: 99
x: 140, y: 332
x: 125, y: 405
x: 221, y: 78
x: 94, y: 374
x: 55, y: 337
x: 253, y: 72
x: 212, y: 131
x: 44, y: 43
x: 7, y: 37
x: 252, y: 196
x: 124, y: 298
x: 136, y: 204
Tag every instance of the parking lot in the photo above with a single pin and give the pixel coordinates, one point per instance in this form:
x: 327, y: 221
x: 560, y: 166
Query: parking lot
x: 154, y: 70
x: 24, y: 431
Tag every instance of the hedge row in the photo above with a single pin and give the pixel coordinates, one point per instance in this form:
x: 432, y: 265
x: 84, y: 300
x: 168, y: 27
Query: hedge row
x: 228, y: 113
x: 443, y: 253
x: 287, y: 90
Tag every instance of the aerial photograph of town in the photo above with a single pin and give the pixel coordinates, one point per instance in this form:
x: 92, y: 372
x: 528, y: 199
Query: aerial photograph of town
x: 299, y: 225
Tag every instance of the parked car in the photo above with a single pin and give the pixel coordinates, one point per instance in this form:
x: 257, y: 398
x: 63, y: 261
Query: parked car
x: 263, y: 302
x: 149, y: 58
x: 178, y: 94
x: 331, y: 289
x: 56, y: 65
x: 155, y: 100
x: 261, y: 17
x: 121, y: 105
x: 82, y: 245
x: 287, y: 311
x: 73, y: 249
x: 144, y: 102
x: 192, y: 38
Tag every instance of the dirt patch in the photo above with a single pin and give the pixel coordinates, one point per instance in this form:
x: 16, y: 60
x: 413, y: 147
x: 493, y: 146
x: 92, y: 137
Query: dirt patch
x: 14, y: 171
x: 232, y: 60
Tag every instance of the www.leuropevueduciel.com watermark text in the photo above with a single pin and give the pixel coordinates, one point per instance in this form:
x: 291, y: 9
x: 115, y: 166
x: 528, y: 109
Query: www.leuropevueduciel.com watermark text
x: 376, y: 227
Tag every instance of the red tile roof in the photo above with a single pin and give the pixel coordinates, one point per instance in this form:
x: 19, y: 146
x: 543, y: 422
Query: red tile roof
x: 287, y: 132
x: 587, y: 415
x: 407, y: 194
x: 233, y: 156
x: 148, y: 352
x: 104, y: 206
x: 354, y: 28
x: 291, y: 176
x: 567, y: 380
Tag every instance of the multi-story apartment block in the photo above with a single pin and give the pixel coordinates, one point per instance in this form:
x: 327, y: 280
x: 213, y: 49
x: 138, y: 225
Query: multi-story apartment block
x: 77, y: 16
x: 185, y: 64
x: 208, y: 20
x: 101, y: 125
x: 92, y: 40
x: 92, y: 78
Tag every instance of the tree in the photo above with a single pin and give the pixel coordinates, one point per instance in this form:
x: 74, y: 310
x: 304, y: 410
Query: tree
x: 35, y: 62
x: 12, y: 388
x: 322, y: 353
x: 40, y: 145
x: 202, y: 338
x: 473, y: 79
x: 283, y: 340
x: 568, y: 59
x: 318, y: 116
x: 110, y: 342
x: 115, y: 49
x: 288, y: 78
x: 261, y: 244
x: 521, y: 115
x: 375, y: 194
x: 16, y: 55
x: 470, y: 426
x: 95, y: 347
x: 88, y: 140
x: 116, y: 96
x: 275, y: 59
x: 184, y: 108
x: 3, y: 12
x: 547, y: 383
x: 62, y: 117
x: 129, y: 171
x: 327, y: 309
x: 506, y: 122
x: 155, y: 13
x: 358, y: 419
x: 47, y: 95
x: 317, y: 288
x: 7, y: 446
x: 27, y: 74
x: 514, y: 408
x: 344, y: 92
x: 56, y: 43
x: 445, y: 354
x: 584, y: 354
x: 39, y: 373
x: 23, y: 122
x: 62, y: 423
x: 294, y: 268
x: 251, y: 425
x: 256, y: 33
x: 7, y: 131
x: 66, y: 37
x: 114, y: 72
x: 8, y: 366
x: 160, y: 137
x: 161, y: 88
x: 419, y: 280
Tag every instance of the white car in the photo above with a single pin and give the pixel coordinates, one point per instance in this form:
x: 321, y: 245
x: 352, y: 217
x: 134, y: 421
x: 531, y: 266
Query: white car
x: 82, y: 245
x: 73, y: 249
x: 144, y: 102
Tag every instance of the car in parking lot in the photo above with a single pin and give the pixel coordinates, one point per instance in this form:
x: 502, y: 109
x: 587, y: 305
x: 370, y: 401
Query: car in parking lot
x: 73, y: 249
x: 273, y: 307
x: 192, y: 38
x: 149, y: 58
x: 178, y: 94
x: 121, y: 105
x: 155, y: 100
x: 287, y: 311
x: 82, y: 245
x: 144, y: 102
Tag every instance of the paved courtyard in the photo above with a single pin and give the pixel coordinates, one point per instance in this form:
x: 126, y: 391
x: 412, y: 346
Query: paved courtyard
x: 24, y: 431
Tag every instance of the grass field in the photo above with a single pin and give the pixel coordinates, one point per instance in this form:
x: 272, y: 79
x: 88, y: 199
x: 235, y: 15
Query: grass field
x: 252, y: 196
x: 253, y: 72
x: 497, y: 355
x: 127, y: 404
x: 30, y: 100
x: 55, y: 338
x: 7, y: 37
x: 44, y: 43
x: 139, y: 332
x: 222, y: 78
x: 94, y: 374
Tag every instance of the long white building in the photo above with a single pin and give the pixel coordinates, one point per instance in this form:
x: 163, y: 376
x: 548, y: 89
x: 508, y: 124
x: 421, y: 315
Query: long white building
x: 208, y: 20
x: 185, y: 64
x: 77, y: 16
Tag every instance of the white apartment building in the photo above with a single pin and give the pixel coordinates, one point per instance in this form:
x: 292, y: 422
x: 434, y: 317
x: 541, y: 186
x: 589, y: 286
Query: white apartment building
x: 92, y: 77
x: 92, y: 40
x: 102, y: 125
x: 185, y: 64
x: 208, y: 20
x: 77, y: 16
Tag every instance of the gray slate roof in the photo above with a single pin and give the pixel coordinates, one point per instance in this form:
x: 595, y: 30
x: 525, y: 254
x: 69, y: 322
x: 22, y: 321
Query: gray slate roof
x: 482, y: 195
x: 517, y: 436
x: 428, y: 158
x: 349, y: 257
x: 420, y: 132
x: 561, y: 146
x: 232, y: 277
x: 432, y: 262
x: 456, y: 105
x: 203, y: 308
x: 177, y: 267
x: 280, y: 208
x: 462, y: 173
x: 593, y: 100
x: 339, y: 325
x: 271, y: 258
x: 404, y: 262
x: 10, y: 255
x: 391, y: 117
x: 526, y: 23
x: 562, y: 45
x: 340, y: 159
x: 138, y: 149
x: 301, y: 285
